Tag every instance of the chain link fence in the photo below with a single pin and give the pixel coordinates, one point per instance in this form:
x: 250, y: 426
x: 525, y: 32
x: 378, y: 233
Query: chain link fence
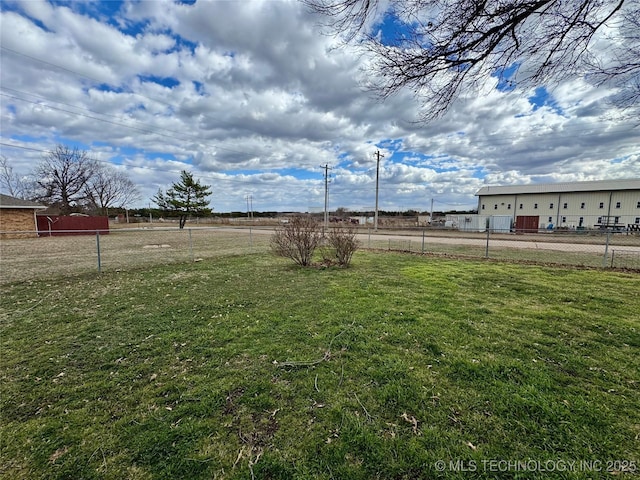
x: 602, y: 249
x: 25, y: 259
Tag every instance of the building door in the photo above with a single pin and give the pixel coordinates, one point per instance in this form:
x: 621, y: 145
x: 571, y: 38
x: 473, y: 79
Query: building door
x: 527, y: 223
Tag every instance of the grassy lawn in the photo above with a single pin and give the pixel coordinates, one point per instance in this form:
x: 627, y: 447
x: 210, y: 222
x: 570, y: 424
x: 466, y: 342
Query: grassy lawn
x: 249, y: 367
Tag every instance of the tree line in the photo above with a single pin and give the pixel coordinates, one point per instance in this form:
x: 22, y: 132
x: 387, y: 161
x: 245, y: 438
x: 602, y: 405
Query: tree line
x: 70, y: 181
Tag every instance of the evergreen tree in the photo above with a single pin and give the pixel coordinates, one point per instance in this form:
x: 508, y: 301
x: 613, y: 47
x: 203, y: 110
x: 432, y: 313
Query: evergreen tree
x: 186, y: 197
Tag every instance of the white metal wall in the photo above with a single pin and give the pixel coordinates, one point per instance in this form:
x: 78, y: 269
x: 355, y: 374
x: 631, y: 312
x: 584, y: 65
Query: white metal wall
x: 566, y: 209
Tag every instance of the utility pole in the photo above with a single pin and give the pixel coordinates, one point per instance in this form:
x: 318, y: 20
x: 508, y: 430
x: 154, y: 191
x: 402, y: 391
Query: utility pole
x: 249, y: 206
x: 378, y: 155
x: 431, y: 213
x: 326, y: 196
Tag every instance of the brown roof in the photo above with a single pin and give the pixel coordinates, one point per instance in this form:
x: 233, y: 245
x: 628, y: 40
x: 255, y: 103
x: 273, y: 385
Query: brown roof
x: 12, y: 202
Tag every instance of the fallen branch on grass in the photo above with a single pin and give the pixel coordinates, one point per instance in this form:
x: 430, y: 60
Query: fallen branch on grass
x: 369, y: 417
x: 325, y: 358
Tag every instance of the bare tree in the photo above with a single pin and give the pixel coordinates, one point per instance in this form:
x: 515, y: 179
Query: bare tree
x: 445, y: 48
x: 624, y: 70
x: 12, y: 183
x: 109, y: 188
x: 62, y: 177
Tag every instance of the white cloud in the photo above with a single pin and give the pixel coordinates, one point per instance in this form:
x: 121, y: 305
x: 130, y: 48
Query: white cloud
x: 254, y: 99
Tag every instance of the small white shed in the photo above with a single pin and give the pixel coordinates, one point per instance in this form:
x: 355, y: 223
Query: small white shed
x: 500, y: 223
x: 472, y: 223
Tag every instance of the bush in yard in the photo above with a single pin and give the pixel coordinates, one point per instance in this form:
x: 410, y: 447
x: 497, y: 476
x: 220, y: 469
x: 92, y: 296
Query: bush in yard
x: 341, y: 245
x: 297, y: 239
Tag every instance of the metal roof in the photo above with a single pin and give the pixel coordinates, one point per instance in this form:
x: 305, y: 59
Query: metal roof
x: 12, y: 202
x: 593, y: 186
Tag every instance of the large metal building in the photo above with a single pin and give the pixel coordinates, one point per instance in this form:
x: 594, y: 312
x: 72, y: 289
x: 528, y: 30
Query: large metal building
x: 611, y: 204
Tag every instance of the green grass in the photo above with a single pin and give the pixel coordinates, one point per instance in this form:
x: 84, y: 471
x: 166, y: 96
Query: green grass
x: 246, y: 366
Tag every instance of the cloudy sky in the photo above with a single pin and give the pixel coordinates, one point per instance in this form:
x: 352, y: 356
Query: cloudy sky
x: 255, y: 99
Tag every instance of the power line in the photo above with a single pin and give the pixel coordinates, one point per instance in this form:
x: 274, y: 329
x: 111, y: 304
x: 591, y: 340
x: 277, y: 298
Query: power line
x: 503, y: 139
x: 153, y: 130
x: 156, y: 169
x: 60, y: 67
x: 567, y: 129
x: 256, y: 182
x: 147, y: 130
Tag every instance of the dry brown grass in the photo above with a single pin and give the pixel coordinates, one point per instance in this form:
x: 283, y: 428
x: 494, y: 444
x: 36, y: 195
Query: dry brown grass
x: 48, y: 257
x: 24, y: 259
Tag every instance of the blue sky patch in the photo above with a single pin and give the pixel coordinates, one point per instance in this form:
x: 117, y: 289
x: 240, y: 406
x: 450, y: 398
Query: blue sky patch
x: 26, y: 138
x: 104, y: 87
x: 299, y: 173
x: 16, y: 7
x: 124, y: 153
x: 541, y: 98
x: 97, y: 10
x: 182, y: 44
x: 168, y: 82
x: 67, y: 142
x: 163, y: 156
x: 199, y: 87
x: 479, y: 172
x: 505, y: 76
x: 393, y: 31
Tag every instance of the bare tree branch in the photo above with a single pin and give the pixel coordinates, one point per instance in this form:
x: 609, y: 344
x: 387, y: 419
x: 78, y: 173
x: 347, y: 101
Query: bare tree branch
x: 445, y: 49
x: 109, y: 188
x: 13, y: 184
x: 62, y: 176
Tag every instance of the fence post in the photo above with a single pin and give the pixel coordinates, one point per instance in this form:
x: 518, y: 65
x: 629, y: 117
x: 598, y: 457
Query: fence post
x: 190, y: 245
x: 606, y: 250
x: 369, y: 240
x: 250, y: 239
x: 486, y: 250
x: 98, y: 250
x: 423, y: 240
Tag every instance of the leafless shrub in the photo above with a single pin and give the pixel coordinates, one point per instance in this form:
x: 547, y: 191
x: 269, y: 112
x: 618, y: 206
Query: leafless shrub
x: 297, y: 240
x: 341, y: 245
